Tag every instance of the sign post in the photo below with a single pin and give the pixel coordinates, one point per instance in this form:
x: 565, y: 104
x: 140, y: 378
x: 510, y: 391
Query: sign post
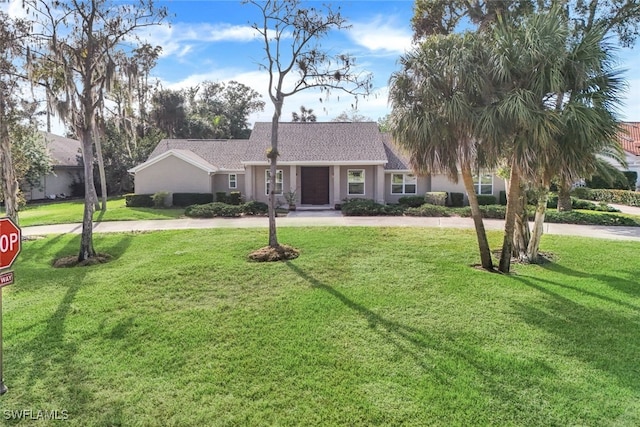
x: 10, y: 246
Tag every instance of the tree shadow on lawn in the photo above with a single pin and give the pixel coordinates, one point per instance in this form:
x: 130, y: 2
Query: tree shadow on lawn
x: 45, y: 367
x: 444, y: 355
x: 604, y: 339
x: 628, y: 286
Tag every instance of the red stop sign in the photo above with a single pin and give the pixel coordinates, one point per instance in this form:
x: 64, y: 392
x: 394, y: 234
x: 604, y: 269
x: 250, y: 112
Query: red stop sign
x: 10, y: 242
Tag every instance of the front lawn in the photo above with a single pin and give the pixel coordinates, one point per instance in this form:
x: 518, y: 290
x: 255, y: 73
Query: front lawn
x: 370, y: 326
x: 71, y: 211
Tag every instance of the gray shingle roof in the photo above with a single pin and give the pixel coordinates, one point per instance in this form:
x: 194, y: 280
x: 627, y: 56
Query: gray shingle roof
x: 398, y: 160
x: 319, y: 142
x: 329, y: 142
x: 223, y: 154
x: 63, y: 151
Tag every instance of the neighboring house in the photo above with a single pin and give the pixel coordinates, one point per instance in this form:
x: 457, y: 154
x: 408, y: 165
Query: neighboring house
x: 630, y: 140
x: 66, y: 168
x: 323, y: 162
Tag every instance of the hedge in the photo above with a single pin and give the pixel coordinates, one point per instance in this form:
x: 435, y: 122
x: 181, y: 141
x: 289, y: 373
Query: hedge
x: 138, y: 200
x: 486, y: 199
x: 188, y: 199
x: 455, y: 200
x: 368, y: 207
x: 436, y: 198
x: 587, y: 218
x: 255, y: 208
x: 623, y: 197
x: 427, y: 210
x: 411, y: 201
x: 211, y: 210
x: 628, y: 183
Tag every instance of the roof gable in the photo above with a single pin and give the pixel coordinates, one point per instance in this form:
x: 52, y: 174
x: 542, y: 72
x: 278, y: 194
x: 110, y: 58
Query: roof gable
x: 319, y: 142
x: 398, y: 159
x: 184, y: 155
x: 222, y: 154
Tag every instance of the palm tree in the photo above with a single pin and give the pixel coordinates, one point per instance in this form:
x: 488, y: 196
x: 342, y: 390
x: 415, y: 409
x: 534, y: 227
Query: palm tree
x: 434, y: 101
x: 527, y: 59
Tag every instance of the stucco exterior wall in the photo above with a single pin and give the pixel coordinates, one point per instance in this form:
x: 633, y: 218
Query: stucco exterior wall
x: 369, y: 182
x: 173, y: 175
x: 259, y: 181
x: 58, y: 182
x: 221, y: 183
x: 442, y: 183
x: 423, y: 185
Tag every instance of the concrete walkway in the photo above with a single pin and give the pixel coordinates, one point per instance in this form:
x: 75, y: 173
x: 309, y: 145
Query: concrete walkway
x: 329, y: 219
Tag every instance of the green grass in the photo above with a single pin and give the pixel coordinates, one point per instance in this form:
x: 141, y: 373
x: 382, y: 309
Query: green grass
x: 370, y: 326
x: 71, y: 211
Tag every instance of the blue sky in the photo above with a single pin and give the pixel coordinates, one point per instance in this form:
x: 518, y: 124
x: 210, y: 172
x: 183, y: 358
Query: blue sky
x: 213, y: 40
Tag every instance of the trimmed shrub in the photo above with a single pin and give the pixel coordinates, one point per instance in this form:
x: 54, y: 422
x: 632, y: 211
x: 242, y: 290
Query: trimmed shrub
x: 221, y: 197
x: 411, y: 201
x: 455, y: 200
x: 623, y: 197
x: 493, y: 211
x: 502, y: 198
x: 188, y: 199
x: 138, y: 200
x: 368, y: 207
x: 436, y: 198
x: 211, y: 210
x: 255, y: 208
x: 486, y: 199
x: 587, y: 218
x: 582, y: 193
x: 159, y: 199
x: 234, y: 198
x: 628, y: 183
x: 552, y: 202
x: 427, y: 210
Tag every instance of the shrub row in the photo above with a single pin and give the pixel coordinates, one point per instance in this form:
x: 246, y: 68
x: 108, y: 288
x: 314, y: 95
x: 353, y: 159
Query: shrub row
x: 620, y: 183
x: 217, y: 209
x: 587, y: 218
x: 188, y: 199
x: 368, y: 207
x: 623, y: 197
x: 138, y: 200
x: 576, y: 203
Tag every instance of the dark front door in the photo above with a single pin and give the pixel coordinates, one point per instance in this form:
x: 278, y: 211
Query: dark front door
x: 315, y: 185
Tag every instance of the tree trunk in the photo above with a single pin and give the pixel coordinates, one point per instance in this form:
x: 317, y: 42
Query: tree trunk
x: 536, y: 235
x: 521, y: 234
x: 9, y: 182
x: 483, y: 243
x: 86, y: 241
x: 564, y: 198
x: 273, y: 158
x: 103, y: 176
x: 513, y: 206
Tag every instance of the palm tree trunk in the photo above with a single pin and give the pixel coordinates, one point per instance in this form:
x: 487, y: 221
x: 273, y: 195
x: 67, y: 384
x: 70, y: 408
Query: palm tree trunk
x: 483, y: 243
x: 513, y: 206
x: 521, y: 234
x: 536, y: 235
x: 564, y: 197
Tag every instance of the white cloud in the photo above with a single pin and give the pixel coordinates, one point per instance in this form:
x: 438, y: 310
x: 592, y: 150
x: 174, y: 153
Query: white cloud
x: 175, y: 38
x: 381, y: 34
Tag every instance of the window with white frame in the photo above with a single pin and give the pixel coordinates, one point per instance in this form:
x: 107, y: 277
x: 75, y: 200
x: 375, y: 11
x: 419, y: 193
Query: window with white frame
x: 483, y: 182
x: 403, y: 183
x: 355, y: 182
x: 278, y: 183
x: 233, y: 180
